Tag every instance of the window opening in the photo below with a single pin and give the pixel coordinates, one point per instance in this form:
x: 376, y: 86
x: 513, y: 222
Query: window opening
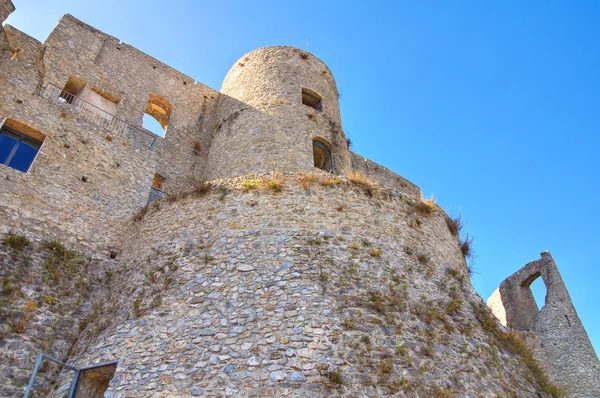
x: 312, y: 99
x: 17, y: 149
x: 538, y: 288
x: 322, y: 155
x: 72, y: 90
x: 158, y: 181
x: 93, y: 381
x: 156, y: 115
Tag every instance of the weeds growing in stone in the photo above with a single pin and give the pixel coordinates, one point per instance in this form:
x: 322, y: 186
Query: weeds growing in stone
x: 455, y: 224
x: 17, y: 242
x: 275, y: 182
x: 375, y: 252
x: 426, y: 207
x: 201, y: 188
x: 514, y: 344
x: 250, y: 184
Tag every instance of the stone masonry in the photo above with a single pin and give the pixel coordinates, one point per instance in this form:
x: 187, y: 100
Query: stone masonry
x: 247, y: 252
x: 563, y: 342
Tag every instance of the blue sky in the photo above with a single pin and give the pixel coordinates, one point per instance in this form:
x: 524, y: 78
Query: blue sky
x: 492, y: 107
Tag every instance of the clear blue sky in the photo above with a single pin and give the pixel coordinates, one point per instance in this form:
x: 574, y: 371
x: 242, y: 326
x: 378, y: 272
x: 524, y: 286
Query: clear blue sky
x: 492, y: 107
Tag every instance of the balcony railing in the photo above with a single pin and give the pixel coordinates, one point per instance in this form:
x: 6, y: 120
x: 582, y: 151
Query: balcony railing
x: 96, y: 115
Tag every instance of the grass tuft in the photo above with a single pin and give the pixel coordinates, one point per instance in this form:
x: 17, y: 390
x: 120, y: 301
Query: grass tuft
x: 201, y: 187
x: 514, y: 344
x: 455, y: 224
x: 17, y: 242
x: 375, y: 252
x: 275, y: 183
x: 466, y: 247
x: 362, y: 181
x: 251, y: 184
x: 426, y: 207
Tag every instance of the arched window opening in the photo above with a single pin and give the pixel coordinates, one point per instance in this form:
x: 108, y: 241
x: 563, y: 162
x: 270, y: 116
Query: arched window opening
x: 538, y: 288
x: 156, y: 115
x: 312, y: 99
x: 322, y: 155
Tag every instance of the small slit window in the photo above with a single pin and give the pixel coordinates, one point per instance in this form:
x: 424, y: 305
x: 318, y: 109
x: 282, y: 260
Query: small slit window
x: 19, y: 145
x: 323, y: 157
x: 312, y: 99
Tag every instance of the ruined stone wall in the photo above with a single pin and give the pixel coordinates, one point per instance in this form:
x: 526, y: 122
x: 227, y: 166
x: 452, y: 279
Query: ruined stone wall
x: 6, y: 8
x: 562, y: 339
x: 262, y: 124
x: 76, y: 49
x: 383, y: 176
x: 48, y: 295
x: 51, y: 198
x: 304, y: 292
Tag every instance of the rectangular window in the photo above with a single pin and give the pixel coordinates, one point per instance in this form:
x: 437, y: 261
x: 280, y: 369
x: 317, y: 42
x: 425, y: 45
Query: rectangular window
x: 312, y: 99
x: 17, y: 150
x: 72, y: 90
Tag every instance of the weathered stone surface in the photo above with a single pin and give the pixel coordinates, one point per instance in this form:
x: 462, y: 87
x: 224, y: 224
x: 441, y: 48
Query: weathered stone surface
x: 272, y: 284
x: 562, y: 343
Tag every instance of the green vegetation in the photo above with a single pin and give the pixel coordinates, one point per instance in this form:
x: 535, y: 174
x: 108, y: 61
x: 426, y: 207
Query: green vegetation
x: 17, y: 242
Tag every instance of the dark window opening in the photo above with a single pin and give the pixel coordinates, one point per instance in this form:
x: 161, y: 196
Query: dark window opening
x: 312, y: 99
x: 72, y: 89
x: 158, y: 181
x: 322, y: 155
x: 92, y: 382
x: 18, y: 150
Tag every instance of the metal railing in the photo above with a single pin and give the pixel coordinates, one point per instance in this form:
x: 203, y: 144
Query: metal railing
x: 74, y: 381
x: 36, y: 368
x: 94, y: 114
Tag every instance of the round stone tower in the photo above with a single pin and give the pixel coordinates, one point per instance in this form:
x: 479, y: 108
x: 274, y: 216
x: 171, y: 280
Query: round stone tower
x: 279, y: 111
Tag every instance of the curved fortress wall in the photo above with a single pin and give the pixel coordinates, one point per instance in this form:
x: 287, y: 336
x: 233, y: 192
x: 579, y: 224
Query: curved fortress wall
x: 262, y: 123
x: 307, y: 292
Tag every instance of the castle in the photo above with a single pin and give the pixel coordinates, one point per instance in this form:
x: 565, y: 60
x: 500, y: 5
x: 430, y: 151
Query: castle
x: 248, y: 252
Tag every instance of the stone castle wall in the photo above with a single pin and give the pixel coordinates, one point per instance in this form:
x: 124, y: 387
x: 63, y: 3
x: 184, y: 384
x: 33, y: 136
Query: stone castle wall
x: 561, y: 337
x: 51, y: 198
x: 257, y: 293
x: 294, y: 283
x: 6, y: 8
x: 76, y: 49
x: 252, y: 125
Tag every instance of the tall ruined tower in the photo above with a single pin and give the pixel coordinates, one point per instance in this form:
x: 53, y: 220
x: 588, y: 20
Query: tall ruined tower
x: 248, y: 252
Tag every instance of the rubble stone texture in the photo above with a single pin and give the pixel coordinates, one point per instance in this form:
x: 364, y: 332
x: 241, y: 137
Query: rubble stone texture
x: 275, y: 279
x: 564, y: 343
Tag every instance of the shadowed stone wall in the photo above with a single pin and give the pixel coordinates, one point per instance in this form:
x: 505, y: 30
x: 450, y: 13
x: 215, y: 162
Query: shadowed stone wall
x: 571, y: 359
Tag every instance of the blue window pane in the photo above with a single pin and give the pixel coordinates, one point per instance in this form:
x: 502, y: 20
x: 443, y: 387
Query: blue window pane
x: 23, y: 157
x: 6, y: 146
